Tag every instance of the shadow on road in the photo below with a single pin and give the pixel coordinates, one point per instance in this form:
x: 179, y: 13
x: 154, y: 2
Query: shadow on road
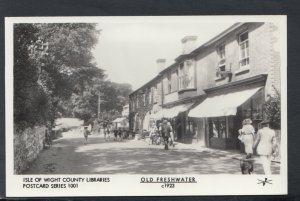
x: 72, y: 156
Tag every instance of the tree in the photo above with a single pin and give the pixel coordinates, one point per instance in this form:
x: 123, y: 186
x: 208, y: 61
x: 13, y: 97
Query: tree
x: 273, y: 110
x: 114, y: 97
x: 51, y: 62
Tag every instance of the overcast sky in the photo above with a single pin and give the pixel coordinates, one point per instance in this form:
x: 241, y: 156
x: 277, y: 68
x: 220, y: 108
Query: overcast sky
x: 128, y: 50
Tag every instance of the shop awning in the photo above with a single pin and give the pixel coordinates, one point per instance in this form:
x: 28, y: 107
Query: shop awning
x: 222, y: 105
x: 171, y: 112
x: 118, y: 120
x: 157, y: 115
x: 174, y: 111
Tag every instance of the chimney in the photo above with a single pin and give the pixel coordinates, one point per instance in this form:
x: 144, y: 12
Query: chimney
x: 188, y: 44
x: 161, y: 64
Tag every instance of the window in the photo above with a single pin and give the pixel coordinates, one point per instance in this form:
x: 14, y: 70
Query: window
x: 155, y: 97
x: 186, y: 74
x: 221, y: 51
x: 190, y: 128
x: 150, y: 96
x: 181, y: 76
x: 244, y: 49
x: 144, y: 99
x: 137, y: 102
x: 190, y: 82
x: 218, y: 127
x: 169, y: 83
x: 253, y: 108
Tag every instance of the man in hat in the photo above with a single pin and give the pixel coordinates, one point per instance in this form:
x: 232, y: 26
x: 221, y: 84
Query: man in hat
x: 265, y: 142
x: 166, y: 130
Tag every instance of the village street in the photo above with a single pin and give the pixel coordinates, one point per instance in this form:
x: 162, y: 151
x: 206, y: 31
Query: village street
x: 70, y: 155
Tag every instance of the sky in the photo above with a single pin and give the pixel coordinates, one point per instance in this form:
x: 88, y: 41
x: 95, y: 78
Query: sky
x: 128, y: 49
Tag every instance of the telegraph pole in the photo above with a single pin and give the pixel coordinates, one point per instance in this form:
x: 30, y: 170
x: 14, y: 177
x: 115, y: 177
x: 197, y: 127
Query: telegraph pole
x: 99, y: 101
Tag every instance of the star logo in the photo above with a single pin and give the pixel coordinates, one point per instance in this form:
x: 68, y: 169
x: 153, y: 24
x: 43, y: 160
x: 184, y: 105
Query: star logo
x: 264, y: 182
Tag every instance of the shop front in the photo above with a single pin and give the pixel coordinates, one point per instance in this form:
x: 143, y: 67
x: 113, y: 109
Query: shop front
x: 177, y: 116
x: 223, y: 112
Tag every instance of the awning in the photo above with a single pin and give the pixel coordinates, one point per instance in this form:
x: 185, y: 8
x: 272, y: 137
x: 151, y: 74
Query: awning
x: 157, y: 115
x: 171, y: 112
x: 174, y: 111
x: 222, y: 105
x: 118, y: 120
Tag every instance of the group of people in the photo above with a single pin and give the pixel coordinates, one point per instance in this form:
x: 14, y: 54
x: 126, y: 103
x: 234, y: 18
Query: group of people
x: 119, y: 133
x: 164, y: 130
x: 264, y: 142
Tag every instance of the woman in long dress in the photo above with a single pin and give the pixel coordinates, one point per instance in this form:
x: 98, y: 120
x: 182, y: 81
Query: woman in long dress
x: 247, y: 137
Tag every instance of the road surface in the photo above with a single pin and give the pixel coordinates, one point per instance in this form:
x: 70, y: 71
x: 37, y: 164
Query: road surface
x: 70, y: 155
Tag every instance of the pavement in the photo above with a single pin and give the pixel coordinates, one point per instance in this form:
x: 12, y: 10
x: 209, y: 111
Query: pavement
x: 71, y: 155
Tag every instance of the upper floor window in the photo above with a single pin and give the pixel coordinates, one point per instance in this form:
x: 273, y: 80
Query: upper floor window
x: 155, y: 94
x: 169, y: 83
x: 181, y: 76
x: 150, y: 96
x: 144, y: 99
x: 244, y: 49
x: 221, y: 63
x: 186, y: 75
x: 221, y: 51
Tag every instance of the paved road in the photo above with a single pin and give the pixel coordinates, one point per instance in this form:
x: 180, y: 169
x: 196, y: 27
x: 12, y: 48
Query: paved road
x: 70, y: 155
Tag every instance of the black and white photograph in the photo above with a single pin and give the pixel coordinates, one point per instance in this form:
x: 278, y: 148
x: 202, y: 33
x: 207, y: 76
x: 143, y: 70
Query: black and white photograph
x: 171, y: 100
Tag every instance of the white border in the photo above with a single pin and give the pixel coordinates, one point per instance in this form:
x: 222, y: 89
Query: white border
x: 120, y: 185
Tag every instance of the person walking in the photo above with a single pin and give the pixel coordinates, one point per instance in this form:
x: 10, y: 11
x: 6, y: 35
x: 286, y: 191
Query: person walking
x: 265, y: 144
x: 105, y: 128
x: 152, y: 134
x: 166, y: 130
x: 171, y: 135
x: 85, y: 133
x: 246, y: 135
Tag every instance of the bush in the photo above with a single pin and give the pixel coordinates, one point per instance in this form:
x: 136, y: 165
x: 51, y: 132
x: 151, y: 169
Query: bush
x: 273, y: 110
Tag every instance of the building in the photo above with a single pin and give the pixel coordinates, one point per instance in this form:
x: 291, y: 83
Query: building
x: 210, y: 89
x: 125, y: 111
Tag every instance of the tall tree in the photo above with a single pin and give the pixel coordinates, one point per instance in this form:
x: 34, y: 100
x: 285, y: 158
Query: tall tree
x: 52, y: 62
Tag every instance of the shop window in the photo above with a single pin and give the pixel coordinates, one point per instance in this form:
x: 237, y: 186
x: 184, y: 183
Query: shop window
x: 253, y: 108
x: 218, y: 127
x: 232, y: 131
x: 190, y: 128
x: 244, y: 49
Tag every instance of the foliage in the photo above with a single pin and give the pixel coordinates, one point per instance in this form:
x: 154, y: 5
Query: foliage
x: 113, y: 97
x: 273, y: 110
x: 51, y: 62
x: 55, y: 75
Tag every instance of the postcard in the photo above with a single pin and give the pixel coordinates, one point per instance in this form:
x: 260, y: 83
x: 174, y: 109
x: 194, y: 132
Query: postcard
x: 146, y: 105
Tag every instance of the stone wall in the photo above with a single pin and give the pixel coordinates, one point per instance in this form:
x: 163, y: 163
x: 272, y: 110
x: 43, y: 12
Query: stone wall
x: 27, y: 146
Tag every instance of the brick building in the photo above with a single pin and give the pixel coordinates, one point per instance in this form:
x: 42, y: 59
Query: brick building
x: 209, y: 90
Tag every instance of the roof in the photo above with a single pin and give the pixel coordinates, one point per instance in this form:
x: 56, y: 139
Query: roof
x: 157, y: 76
x: 205, y: 45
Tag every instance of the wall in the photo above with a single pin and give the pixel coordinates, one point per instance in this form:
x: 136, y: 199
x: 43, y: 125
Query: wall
x: 27, y: 146
x: 264, y: 58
